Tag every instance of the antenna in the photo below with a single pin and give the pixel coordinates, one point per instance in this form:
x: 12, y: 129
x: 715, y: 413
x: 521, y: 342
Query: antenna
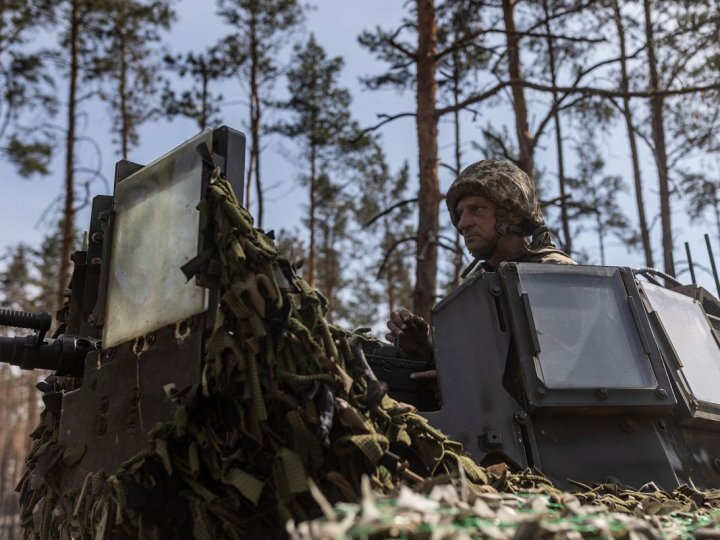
x: 712, y: 263
x: 690, y: 263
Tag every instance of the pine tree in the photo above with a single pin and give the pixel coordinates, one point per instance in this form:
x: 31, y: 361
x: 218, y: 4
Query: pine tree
x: 659, y: 144
x: 627, y: 114
x: 692, y: 122
x: 16, y: 280
x: 26, y: 88
x: 121, y: 56
x: 397, y: 49
x: 19, y: 396
x: 384, y: 276
x: 262, y: 28
x: 333, y: 215
x: 596, y: 198
x: 680, y: 40
x: 457, y: 75
x: 320, y: 125
x: 46, y: 264
x: 72, y: 17
x: 198, y: 102
x: 702, y: 195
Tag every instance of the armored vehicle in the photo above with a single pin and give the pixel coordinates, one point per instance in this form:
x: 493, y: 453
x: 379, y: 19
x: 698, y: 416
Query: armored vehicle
x: 584, y: 373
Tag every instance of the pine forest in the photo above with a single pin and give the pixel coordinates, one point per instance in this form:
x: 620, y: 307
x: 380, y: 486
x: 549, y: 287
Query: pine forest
x: 358, y: 116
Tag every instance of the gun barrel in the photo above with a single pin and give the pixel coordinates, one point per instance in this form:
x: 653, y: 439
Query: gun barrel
x: 22, y: 319
x: 64, y: 355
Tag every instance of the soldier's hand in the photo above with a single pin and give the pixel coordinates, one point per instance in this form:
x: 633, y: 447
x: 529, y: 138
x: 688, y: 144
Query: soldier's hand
x: 411, y: 333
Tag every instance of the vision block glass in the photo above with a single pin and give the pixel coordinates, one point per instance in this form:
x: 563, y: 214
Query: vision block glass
x: 587, y: 333
x: 692, y: 338
x: 156, y: 232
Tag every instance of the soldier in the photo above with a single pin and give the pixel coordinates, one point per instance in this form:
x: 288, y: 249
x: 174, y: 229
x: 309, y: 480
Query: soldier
x: 494, y: 206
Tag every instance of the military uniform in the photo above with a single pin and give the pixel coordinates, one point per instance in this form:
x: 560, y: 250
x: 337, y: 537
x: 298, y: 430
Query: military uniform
x: 539, y: 250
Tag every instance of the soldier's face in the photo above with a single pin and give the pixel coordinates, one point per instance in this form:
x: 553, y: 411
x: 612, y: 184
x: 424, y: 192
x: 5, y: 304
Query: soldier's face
x: 476, y: 223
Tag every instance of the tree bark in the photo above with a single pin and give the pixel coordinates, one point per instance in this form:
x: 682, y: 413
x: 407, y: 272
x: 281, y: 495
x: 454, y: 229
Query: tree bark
x: 522, y: 127
x: 326, y: 263
x: 204, y: 94
x: 68, y: 220
x: 564, y: 218
x: 312, y: 210
x: 658, y: 135
x: 458, y: 256
x: 254, y: 168
x: 429, y: 191
x: 716, y: 210
x: 634, y: 156
x: 124, y: 115
x: 390, y: 279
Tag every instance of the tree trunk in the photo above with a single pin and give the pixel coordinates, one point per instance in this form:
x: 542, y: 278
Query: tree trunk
x: 429, y: 191
x: 125, y: 120
x: 524, y: 137
x: 600, y: 227
x: 564, y: 218
x: 716, y: 208
x: 254, y: 169
x: 124, y: 116
x: 658, y: 135
x: 327, y: 280
x: 68, y: 220
x: 204, y: 95
x: 625, y: 86
x: 390, y: 278
x: 458, y: 257
x: 312, y: 210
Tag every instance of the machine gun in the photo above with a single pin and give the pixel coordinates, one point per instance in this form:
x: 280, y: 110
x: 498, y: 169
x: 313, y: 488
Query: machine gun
x: 65, y: 355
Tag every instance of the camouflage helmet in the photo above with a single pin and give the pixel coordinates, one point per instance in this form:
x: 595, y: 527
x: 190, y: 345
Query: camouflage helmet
x: 504, y: 184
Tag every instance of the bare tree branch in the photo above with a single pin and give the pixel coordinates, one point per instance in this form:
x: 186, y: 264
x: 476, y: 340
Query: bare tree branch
x: 385, y: 120
x: 389, y: 252
x: 501, y: 143
x: 388, y: 210
x: 585, y: 90
x: 556, y: 200
x: 475, y: 98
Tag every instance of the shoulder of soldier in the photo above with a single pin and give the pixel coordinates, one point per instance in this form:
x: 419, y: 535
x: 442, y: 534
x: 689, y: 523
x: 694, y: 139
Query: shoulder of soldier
x: 548, y: 256
x: 557, y: 258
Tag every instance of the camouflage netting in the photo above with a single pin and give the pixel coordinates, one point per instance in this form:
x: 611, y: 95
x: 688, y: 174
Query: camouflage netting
x: 288, y: 424
x: 284, y: 398
x: 524, y: 507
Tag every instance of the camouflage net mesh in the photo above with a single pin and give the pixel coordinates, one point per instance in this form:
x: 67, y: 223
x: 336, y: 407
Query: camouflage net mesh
x: 288, y: 424
x: 282, y: 399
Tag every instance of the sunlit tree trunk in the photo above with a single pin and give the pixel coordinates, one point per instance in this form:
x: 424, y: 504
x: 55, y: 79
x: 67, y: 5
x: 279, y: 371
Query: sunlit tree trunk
x: 429, y: 191
x: 123, y: 87
x: 522, y: 126
x: 68, y: 220
x: 632, y: 139
x: 564, y: 218
x: 255, y: 113
x: 658, y: 136
x: 312, y: 216
x: 389, y: 275
x: 458, y: 256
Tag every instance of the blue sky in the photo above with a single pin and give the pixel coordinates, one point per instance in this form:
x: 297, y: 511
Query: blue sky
x: 336, y: 25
